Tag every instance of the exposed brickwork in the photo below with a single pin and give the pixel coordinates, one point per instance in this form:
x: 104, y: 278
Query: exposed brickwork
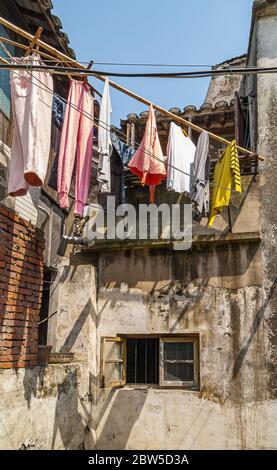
x: 21, y: 284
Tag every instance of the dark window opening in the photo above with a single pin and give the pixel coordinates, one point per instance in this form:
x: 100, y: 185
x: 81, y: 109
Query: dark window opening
x: 142, y: 361
x: 44, y: 309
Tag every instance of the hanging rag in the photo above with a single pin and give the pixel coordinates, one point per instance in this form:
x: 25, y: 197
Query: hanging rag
x: 32, y: 109
x: 226, y: 176
x: 200, y: 194
x: 125, y: 152
x: 76, y: 141
x: 180, y: 154
x: 148, y: 161
x: 105, y: 147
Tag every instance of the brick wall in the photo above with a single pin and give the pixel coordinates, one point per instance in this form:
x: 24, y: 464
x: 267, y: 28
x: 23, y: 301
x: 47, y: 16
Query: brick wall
x: 21, y: 283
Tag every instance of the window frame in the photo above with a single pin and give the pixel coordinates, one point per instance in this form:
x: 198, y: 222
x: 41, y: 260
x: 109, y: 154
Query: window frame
x: 122, y: 361
x: 195, y: 361
x: 190, y: 338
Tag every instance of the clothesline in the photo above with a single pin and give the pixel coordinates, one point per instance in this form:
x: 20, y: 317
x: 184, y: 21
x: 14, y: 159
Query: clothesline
x: 109, y: 128
x: 52, y: 60
x: 106, y: 127
x: 124, y: 90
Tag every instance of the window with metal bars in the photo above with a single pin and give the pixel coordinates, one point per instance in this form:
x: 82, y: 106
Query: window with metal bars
x: 165, y: 361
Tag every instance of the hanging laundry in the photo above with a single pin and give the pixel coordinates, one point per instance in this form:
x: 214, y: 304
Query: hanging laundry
x: 241, y: 131
x: 31, y: 108
x: 125, y: 153
x: 76, y: 142
x: 226, y: 176
x: 180, y: 155
x: 116, y: 178
x: 58, y: 110
x: 104, y: 141
x: 200, y: 194
x: 148, y: 161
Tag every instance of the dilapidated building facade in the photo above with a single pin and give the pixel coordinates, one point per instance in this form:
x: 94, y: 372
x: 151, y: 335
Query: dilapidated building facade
x: 158, y: 348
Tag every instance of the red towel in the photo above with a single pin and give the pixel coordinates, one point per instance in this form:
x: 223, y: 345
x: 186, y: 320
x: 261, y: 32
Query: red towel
x: 148, y: 161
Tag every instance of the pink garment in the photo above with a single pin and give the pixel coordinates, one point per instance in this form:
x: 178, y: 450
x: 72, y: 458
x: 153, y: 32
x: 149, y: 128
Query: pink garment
x: 31, y: 99
x: 76, y: 141
x: 149, y: 169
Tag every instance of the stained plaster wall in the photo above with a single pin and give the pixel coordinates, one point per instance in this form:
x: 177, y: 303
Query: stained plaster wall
x: 44, y: 408
x: 225, y: 293
x: 265, y: 41
x: 215, y: 293
x: 50, y: 407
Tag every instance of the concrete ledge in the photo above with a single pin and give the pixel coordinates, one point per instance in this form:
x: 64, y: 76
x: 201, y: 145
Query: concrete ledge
x: 213, y: 239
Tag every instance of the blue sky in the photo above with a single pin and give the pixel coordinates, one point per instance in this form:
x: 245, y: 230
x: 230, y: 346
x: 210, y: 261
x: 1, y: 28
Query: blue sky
x: 156, y: 31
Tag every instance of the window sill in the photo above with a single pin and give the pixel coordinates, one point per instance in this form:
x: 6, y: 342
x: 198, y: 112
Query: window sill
x: 160, y: 387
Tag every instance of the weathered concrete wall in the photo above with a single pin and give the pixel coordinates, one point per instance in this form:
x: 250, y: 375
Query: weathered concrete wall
x: 50, y: 408
x: 266, y: 44
x: 175, y: 419
x: 69, y: 330
x: 224, y: 292
x: 216, y: 293
x: 44, y: 408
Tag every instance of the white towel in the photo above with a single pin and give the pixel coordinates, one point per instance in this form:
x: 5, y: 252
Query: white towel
x: 104, y: 141
x: 180, y: 154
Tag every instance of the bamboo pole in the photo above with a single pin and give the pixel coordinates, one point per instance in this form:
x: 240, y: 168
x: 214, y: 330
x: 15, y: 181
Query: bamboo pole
x: 22, y: 46
x: 4, y: 61
x: 124, y: 90
x: 47, y: 56
x: 34, y: 41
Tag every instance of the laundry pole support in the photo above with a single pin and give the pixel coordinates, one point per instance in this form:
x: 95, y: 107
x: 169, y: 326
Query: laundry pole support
x: 34, y: 41
x: 124, y: 90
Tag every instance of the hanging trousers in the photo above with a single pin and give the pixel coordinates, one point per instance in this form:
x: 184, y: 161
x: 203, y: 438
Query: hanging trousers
x: 31, y: 100
x: 76, y: 142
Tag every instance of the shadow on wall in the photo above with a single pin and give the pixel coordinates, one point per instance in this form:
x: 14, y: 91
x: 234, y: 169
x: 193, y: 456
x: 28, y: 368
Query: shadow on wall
x: 254, y: 328
x: 154, y: 265
x: 117, y: 429
x: 68, y: 420
x: 77, y: 327
x: 71, y: 425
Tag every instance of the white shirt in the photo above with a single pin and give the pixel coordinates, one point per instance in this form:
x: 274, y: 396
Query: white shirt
x: 104, y: 141
x: 180, y: 154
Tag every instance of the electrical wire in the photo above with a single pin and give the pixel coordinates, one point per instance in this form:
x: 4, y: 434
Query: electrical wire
x: 196, y: 74
x: 108, y: 128
x: 150, y: 65
x: 128, y: 64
